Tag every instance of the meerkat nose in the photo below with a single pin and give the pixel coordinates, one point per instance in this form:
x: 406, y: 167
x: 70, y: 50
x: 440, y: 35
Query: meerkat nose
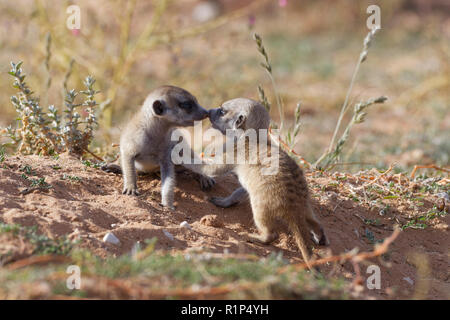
x: 205, y: 113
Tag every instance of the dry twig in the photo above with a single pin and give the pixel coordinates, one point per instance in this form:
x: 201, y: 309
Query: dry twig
x: 349, y: 256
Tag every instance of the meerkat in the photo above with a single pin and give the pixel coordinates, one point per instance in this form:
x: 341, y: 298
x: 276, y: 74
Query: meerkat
x: 283, y: 195
x: 145, y: 143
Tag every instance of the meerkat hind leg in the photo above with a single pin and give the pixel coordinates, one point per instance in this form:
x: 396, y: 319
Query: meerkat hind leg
x: 112, y: 168
x: 225, y: 202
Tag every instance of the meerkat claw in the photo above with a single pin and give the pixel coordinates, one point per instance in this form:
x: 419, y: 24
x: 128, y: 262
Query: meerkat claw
x: 206, y: 183
x: 167, y: 207
x: 130, y: 191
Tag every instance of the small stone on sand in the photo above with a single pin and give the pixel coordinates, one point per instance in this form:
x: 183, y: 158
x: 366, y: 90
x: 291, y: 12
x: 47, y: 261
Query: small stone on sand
x: 111, y: 238
x: 184, y: 224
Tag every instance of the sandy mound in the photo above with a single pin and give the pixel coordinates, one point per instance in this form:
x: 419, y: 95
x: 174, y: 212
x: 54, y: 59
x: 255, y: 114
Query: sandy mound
x: 86, y: 203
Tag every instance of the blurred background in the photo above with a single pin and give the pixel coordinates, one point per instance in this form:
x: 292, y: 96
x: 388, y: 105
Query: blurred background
x: 133, y: 46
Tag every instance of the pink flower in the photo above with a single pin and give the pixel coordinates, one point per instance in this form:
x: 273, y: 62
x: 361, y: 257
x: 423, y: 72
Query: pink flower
x: 76, y: 32
x: 251, y: 20
x: 282, y: 3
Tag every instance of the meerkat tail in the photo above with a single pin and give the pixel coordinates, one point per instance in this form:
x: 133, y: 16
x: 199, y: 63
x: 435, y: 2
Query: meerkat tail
x: 302, y: 244
x: 317, y: 230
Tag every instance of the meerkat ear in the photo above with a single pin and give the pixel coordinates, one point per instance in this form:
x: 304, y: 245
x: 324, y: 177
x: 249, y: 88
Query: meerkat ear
x: 239, y: 121
x: 158, y: 107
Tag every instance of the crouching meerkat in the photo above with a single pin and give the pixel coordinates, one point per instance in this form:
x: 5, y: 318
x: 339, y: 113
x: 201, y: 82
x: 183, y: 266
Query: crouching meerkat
x: 146, y: 145
x: 281, y: 196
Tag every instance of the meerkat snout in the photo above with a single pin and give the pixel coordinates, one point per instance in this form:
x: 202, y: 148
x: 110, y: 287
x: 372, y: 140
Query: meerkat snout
x: 239, y: 113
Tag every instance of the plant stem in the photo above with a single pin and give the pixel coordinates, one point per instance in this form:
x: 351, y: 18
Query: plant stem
x: 344, y: 106
x: 362, y: 57
x: 279, y: 102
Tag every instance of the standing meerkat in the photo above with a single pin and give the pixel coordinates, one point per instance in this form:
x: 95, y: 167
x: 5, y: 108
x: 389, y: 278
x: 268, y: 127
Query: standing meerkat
x: 282, y: 196
x: 145, y: 143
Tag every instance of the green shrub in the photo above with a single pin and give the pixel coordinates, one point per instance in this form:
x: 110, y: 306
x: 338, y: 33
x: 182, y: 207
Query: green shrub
x: 48, y: 133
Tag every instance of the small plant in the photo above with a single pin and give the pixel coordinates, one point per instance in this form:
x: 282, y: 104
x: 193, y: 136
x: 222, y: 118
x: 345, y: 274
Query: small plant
x: 263, y: 98
x: 9, y: 228
x: 359, y: 116
x: 71, y: 178
x: 331, y: 155
x: 46, y: 133
x: 268, y: 67
x: 373, y: 222
x: 45, y: 245
x: 419, y: 222
x: 414, y: 225
x: 2, y: 154
x: 295, y: 129
x: 40, y: 183
x: 35, y: 184
x: 90, y: 164
x: 28, y: 170
x: 42, y: 243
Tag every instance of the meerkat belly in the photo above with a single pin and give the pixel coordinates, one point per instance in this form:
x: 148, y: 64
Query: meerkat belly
x: 245, y: 177
x: 266, y: 192
x: 257, y: 185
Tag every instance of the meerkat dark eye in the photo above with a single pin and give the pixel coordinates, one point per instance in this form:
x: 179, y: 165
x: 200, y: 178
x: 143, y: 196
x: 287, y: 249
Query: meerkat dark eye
x: 187, y: 105
x: 221, y: 111
x: 158, y: 107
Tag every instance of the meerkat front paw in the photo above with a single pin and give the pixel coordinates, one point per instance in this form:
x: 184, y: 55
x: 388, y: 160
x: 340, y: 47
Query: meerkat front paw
x: 130, y: 190
x: 206, y: 183
x: 168, y: 207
